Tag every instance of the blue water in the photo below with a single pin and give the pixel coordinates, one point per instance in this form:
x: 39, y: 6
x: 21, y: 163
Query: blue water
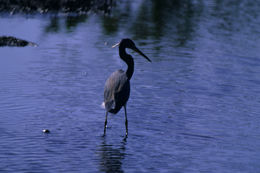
x: 195, y: 108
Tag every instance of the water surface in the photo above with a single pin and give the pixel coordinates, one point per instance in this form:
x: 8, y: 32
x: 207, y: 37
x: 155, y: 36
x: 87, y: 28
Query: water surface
x: 195, y: 108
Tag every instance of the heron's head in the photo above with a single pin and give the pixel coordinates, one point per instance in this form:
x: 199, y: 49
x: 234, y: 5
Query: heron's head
x: 128, y: 43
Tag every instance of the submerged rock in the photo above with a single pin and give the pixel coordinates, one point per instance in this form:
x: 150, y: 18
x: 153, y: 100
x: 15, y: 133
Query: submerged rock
x: 14, y: 42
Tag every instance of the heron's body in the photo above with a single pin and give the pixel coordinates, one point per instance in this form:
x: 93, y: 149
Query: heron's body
x: 117, y: 87
x: 117, y: 91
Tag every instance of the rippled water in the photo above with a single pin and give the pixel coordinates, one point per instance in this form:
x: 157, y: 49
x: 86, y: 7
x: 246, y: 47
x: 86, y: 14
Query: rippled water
x: 195, y: 108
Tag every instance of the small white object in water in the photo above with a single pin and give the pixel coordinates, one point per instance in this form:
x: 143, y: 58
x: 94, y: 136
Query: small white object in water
x: 46, y: 131
x: 103, y: 105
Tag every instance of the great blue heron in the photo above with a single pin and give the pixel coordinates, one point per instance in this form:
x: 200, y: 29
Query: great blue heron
x: 117, y: 87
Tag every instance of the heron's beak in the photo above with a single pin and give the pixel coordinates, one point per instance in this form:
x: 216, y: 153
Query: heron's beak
x: 141, y: 53
x: 115, y: 45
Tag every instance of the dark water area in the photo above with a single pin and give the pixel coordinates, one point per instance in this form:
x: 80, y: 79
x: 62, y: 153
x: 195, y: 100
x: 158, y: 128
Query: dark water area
x: 195, y: 108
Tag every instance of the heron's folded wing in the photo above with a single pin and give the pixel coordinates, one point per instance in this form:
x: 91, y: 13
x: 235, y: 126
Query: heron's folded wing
x: 112, y: 87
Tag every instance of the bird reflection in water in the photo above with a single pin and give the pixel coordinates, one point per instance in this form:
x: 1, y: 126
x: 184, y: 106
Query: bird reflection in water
x: 111, y: 157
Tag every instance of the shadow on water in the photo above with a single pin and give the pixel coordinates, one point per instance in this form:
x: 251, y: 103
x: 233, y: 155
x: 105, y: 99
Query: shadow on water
x: 56, y: 24
x: 156, y: 20
x: 73, y: 21
x: 175, y: 15
x: 110, y: 25
x: 197, y: 135
x: 111, y: 156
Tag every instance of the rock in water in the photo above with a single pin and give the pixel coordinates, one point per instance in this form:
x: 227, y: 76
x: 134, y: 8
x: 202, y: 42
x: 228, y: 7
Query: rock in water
x: 15, y: 42
x: 46, y: 131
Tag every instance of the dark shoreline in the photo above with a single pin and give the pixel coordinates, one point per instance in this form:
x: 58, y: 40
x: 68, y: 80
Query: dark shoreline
x: 55, y: 6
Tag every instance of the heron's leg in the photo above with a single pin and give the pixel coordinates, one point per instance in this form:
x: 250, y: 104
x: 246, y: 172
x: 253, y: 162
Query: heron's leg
x: 105, y: 125
x: 126, y: 122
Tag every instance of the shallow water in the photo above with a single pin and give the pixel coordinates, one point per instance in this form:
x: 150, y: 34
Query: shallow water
x: 195, y: 108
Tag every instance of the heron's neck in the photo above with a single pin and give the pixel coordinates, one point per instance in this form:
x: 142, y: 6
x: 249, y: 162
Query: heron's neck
x: 128, y: 60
